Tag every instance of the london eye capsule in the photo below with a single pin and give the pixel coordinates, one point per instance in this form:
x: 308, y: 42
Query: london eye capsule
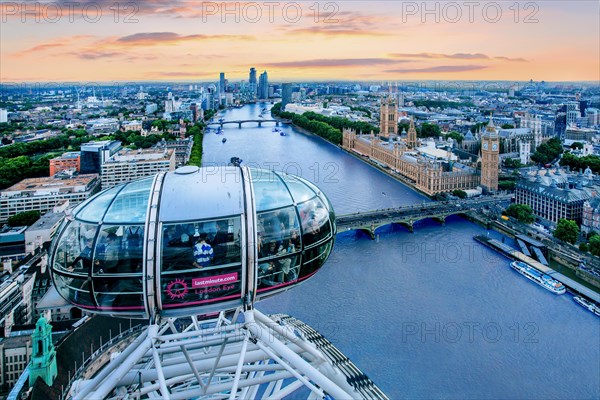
x: 193, y: 241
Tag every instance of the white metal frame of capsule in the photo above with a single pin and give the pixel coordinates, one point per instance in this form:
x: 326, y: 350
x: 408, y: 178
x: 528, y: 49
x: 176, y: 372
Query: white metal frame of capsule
x: 189, y: 199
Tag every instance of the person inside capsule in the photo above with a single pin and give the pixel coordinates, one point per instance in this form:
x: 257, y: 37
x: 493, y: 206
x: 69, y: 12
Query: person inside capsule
x: 83, y: 262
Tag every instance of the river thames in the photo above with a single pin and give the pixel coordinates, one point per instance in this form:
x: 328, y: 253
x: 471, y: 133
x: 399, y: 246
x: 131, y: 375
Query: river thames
x: 430, y: 314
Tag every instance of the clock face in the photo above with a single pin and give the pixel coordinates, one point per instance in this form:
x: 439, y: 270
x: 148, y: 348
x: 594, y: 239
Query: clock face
x: 495, y: 146
x: 485, y: 146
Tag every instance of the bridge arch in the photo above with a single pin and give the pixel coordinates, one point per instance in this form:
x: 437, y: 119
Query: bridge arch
x: 370, y: 221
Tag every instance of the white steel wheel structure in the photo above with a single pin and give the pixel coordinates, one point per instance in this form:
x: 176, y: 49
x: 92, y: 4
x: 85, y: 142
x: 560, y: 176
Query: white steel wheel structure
x: 258, y: 357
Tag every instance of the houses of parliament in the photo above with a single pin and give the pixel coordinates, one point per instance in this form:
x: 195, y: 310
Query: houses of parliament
x: 427, y: 168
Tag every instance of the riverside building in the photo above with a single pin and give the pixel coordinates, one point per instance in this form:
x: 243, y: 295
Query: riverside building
x: 556, y: 194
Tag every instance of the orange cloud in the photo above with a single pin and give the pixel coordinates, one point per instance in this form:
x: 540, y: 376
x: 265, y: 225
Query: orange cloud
x: 346, y: 23
x: 158, y: 38
x: 333, y: 63
x: 439, y: 68
x: 456, y: 56
x: 53, y: 44
x: 335, y: 31
x: 519, y: 59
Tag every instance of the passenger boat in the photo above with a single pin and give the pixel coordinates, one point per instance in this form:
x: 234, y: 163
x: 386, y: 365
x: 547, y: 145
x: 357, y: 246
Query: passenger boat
x: 588, y: 304
x: 282, y: 133
x: 224, y: 140
x: 276, y: 130
x: 538, y: 277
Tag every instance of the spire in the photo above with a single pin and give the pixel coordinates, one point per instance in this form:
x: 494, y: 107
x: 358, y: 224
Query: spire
x: 411, y: 136
x: 43, y: 355
x: 490, y: 129
x: 491, y: 123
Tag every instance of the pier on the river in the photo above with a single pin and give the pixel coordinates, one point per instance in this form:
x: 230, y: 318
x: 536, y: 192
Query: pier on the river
x: 511, y: 253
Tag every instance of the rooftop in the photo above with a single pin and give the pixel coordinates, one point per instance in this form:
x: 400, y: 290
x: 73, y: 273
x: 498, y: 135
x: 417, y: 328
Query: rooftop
x: 15, y: 342
x: 141, y: 155
x: 12, y: 235
x: 94, y: 146
x: 564, y: 195
x: 31, y: 184
x: 12, y: 230
x: 70, y: 154
x: 46, y: 220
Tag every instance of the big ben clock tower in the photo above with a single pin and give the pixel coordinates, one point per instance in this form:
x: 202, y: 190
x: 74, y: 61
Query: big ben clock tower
x: 490, y: 151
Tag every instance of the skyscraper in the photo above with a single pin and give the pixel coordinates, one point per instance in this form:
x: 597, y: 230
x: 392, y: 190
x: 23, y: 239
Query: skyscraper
x: 490, y: 151
x: 222, y: 82
x: 286, y: 95
x: 263, y: 86
x: 252, y: 81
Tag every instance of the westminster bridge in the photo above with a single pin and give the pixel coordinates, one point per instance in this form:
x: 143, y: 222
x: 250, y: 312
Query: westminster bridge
x: 369, y: 221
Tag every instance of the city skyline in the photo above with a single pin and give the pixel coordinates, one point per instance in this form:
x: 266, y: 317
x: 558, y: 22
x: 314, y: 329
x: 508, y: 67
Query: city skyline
x: 311, y: 199
x: 188, y: 41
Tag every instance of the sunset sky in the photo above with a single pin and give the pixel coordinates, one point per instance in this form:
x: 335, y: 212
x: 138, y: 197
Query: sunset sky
x: 349, y: 40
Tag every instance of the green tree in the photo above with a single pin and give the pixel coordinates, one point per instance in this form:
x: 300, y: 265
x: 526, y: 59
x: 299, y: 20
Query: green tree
x: 507, y: 126
x: 161, y: 124
x: 546, y: 152
x: 506, y: 185
x: 456, y: 136
x: 567, y: 231
x: 403, y: 126
x: 521, y: 212
x: 461, y: 194
x: 429, y: 130
x: 208, y: 114
x: 512, y: 163
x: 329, y: 128
x: 577, y: 145
x: 439, y: 197
x: 580, y: 163
x: 584, y: 247
x: 25, y: 218
x: 196, y: 155
x: 594, y: 245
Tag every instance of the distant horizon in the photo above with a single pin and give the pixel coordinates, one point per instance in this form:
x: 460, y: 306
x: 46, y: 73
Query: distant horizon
x: 281, y: 81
